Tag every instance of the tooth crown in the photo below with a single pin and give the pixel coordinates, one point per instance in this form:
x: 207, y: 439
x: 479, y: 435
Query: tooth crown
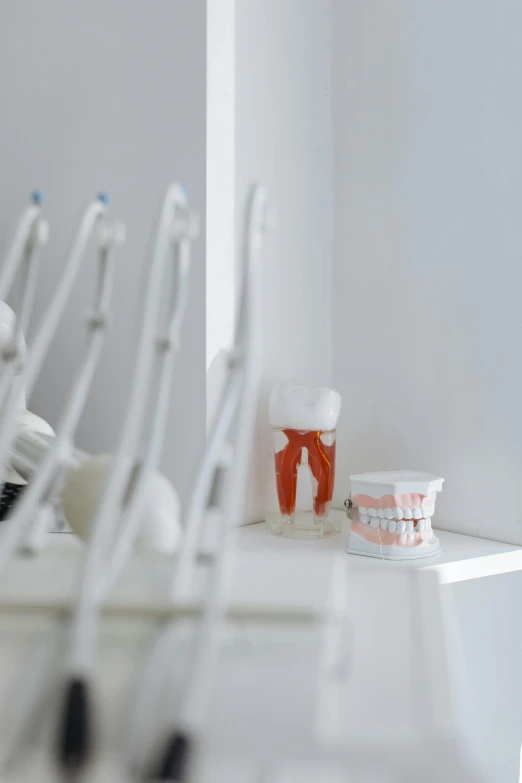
x: 294, y: 406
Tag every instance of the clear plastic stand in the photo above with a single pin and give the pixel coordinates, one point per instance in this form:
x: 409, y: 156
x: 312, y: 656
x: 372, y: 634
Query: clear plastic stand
x: 304, y: 524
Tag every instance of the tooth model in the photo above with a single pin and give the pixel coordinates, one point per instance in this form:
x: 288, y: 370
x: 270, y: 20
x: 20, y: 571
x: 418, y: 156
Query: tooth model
x: 392, y: 512
x: 303, y: 424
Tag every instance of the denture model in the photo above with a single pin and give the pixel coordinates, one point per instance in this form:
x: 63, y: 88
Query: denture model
x: 391, y: 516
x: 303, y: 423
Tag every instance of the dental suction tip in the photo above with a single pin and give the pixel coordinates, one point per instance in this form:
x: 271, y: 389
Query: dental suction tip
x: 37, y: 196
x: 173, y: 763
x: 103, y: 197
x: 75, y: 737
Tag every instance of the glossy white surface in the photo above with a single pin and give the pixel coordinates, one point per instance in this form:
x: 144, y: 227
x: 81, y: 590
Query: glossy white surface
x: 461, y: 558
x: 297, y: 407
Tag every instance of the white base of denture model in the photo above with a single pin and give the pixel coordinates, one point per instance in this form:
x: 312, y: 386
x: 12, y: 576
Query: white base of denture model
x: 359, y: 546
x: 305, y: 525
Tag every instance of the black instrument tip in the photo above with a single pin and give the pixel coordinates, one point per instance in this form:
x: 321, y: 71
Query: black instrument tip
x: 173, y: 763
x: 75, y: 734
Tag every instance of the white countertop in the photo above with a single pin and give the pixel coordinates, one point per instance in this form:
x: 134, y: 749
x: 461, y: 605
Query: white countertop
x: 462, y: 557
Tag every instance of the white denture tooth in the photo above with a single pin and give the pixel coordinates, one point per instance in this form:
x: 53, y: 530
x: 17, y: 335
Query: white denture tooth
x: 407, y: 513
x: 381, y: 513
x: 388, y: 513
x: 373, y: 512
x: 384, y: 524
x: 362, y: 511
x: 401, y: 527
x: 392, y: 526
x: 409, y: 526
x: 374, y: 522
x: 397, y: 512
x: 428, y: 523
x: 421, y: 526
x: 364, y: 519
x: 417, y: 513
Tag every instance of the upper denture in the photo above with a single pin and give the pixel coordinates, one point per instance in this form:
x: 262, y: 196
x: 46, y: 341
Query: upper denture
x: 397, y: 502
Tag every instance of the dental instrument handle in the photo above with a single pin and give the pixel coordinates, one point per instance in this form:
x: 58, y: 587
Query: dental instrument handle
x: 53, y: 315
x: 186, y: 557
x: 74, y: 747
x: 12, y: 360
x: 39, y: 488
x: 31, y: 701
x: 167, y: 343
x: 29, y: 272
x: 45, y: 334
x: 247, y: 337
x: 199, y: 680
x: 31, y: 235
x: 21, y: 239
x: 255, y: 226
x: 163, y: 650
x: 211, y: 462
x: 107, y: 515
x: 109, y: 509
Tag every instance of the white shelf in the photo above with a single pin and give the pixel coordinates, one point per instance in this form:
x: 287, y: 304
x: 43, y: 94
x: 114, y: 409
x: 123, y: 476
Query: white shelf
x: 462, y: 557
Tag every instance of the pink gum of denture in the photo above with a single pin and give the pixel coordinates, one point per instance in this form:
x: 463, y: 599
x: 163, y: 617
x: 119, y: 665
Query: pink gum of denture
x: 404, y: 500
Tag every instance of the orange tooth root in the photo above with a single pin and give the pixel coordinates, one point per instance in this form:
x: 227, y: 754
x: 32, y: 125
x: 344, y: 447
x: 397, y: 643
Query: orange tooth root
x: 321, y: 459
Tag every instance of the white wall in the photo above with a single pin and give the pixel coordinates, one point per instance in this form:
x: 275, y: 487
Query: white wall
x: 107, y: 95
x: 221, y: 160
x: 283, y: 139
x: 428, y: 250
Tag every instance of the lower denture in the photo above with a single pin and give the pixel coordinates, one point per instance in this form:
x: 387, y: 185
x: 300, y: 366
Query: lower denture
x: 378, y: 534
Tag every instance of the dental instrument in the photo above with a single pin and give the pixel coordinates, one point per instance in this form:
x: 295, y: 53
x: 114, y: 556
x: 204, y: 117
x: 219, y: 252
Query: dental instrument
x: 89, y: 489
x: 31, y: 366
x: 221, y: 486
x: 32, y: 514
x: 21, y: 262
x: 30, y: 231
x: 34, y: 507
x: 117, y: 518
